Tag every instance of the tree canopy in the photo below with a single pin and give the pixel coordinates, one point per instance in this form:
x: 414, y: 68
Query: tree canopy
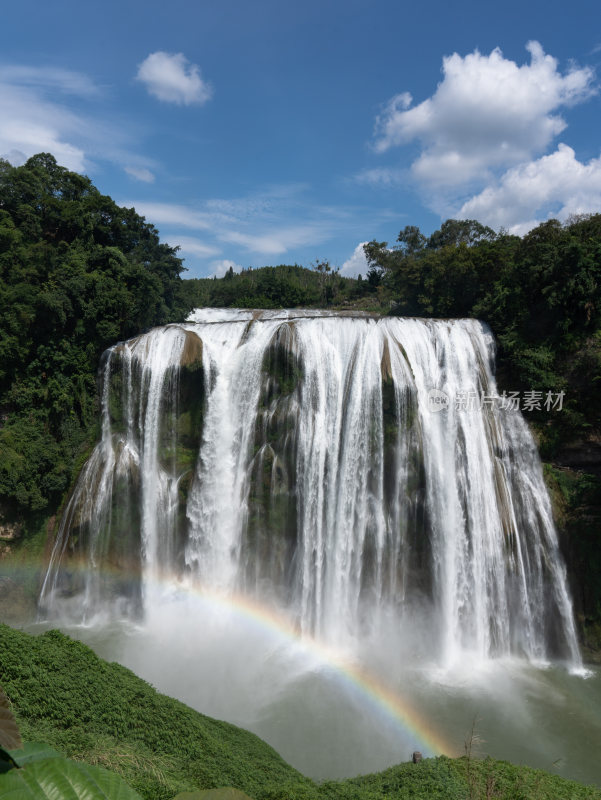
x: 77, y: 274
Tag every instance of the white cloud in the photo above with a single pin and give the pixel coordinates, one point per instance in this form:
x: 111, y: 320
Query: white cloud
x: 221, y: 267
x: 486, y: 113
x: 269, y: 244
x: 356, y: 264
x: 263, y: 204
x: 382, y: 176
x: 30, y: 125
x: 268, y: 225
x: 59, y: 111
x: 14, y: 157
x: 170, y: 77
x: 56, y: 78
x: 140, y: 174
x: 173, y: 214
x: 254, y: 227
x: 555, y: 185
x: 275, y: 242
x: 193, y: 247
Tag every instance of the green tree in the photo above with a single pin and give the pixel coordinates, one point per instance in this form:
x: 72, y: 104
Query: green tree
x: 77, y: 274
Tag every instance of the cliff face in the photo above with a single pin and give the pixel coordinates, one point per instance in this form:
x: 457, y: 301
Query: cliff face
x: 583, y: 455
x: 574, y: 479
x: 10, y: 530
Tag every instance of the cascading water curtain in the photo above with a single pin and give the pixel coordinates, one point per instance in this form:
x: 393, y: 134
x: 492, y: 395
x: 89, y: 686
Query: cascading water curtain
x: 329, y: 464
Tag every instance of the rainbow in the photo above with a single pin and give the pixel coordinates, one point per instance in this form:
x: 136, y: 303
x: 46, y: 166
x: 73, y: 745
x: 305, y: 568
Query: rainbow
x: 370, y: 688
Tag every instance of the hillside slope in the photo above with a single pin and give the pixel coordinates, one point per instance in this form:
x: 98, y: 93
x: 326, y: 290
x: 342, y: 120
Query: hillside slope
x: 101, y: 713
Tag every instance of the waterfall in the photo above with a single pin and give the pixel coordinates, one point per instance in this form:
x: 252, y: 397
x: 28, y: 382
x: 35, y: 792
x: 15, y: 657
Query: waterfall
x: 323, y: 463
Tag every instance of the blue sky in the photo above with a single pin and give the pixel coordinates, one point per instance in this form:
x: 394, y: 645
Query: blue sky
x: 266, y: 132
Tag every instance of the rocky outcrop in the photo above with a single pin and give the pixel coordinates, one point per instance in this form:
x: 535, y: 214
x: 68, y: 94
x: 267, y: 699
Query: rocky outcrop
x: 10, y: 533
x: 10, y: 530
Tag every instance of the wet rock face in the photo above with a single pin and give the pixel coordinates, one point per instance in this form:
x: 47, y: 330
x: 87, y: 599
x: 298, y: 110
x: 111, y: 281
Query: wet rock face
x: 271, y: 533
x: 574, y: 481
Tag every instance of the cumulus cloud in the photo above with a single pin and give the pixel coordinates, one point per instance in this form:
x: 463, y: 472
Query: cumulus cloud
x: 221, y: 267
x: 555, y: 185
x: 171, y: 78
x: 140, y: 174
x: 356, y: 264
x: 486, y: 113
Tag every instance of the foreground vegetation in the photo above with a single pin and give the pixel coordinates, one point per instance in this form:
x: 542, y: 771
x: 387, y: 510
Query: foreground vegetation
x: 101, y: 714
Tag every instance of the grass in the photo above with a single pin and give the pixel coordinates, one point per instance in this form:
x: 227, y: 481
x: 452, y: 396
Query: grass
x: 101, y: 713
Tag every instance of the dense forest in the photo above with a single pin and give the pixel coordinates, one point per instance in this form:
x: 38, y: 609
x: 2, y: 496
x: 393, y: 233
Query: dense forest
x: 78, y: 273
x: 284, y: 286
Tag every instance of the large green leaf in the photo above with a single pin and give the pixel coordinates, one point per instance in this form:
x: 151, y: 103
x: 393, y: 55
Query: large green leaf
x: 227, y: 793
x: 6, y: 761
x: 10, y: 738
x: 61, y: 779
x: 33, y: 751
